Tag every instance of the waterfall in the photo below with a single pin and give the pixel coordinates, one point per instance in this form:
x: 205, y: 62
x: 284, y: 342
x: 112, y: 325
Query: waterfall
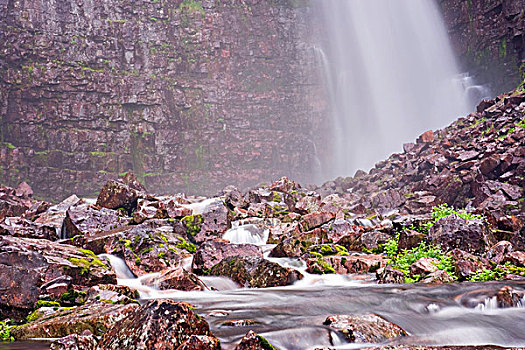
x: 390, y: 75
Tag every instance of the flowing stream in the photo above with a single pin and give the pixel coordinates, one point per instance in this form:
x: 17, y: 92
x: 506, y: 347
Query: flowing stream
x: 390, y: 75
x: 291, y: 317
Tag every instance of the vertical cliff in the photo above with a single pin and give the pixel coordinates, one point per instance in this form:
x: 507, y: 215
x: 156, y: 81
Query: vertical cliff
x: 190, y: 95
x: 489, y: 40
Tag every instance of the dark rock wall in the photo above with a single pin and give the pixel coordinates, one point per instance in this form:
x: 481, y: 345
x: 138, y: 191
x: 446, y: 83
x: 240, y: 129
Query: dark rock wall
x: 489, y: 40
x: 189, y: 95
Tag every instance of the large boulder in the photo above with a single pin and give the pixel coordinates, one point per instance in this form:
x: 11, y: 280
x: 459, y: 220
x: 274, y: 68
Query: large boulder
x: 158, y: 324
x: 84, y: 219
x: 148, y: 247
x: 216, y: 220
x: 19, y: 227
x: 452, y: 232
x: 175, y: 278
x: 367, y: 328
x: 117, y: 195
x: 212, y: 252
x: 255, y: 272
x: 27, y: 264
x: 15, y: 202
x: 94, y: 316
x: 345, y: 264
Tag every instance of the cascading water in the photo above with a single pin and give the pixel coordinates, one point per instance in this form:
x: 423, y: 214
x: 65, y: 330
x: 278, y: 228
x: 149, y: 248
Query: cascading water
x: 390, y: 75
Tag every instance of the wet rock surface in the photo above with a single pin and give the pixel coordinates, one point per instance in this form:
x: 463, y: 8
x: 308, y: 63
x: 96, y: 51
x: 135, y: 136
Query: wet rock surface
x: 364, y: 328
x: 213, y: 252
x: 255, y: 272
x: 156, y: 324
x: 253, y: 341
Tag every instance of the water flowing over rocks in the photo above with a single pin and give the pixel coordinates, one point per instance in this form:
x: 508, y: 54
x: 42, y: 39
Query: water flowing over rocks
x: 253, y: 341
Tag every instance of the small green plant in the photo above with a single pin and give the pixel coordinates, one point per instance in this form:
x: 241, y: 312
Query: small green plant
x: 5, y: 333
x: 443, y: 210
x: 402, y: 260
x: 497, y: 273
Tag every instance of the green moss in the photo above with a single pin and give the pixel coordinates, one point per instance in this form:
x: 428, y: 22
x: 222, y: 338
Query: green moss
x: 185, y: 245
x: 46, y: 303
x: 264, y: 343
x: 193, y: 6
x: 193, y: 224
x: 5, y: 332
x: 98, y: 154
x: 73, y: 296
x: 323, y: 267
x: 276, y: 197
x: 35, y: 315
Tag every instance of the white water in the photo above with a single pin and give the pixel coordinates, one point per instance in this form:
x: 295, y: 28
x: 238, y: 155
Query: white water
x: 246, y: 233
x: 390, y: 75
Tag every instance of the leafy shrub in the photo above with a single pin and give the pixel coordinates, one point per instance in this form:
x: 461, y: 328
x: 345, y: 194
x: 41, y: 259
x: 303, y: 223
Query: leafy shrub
x: 5, y: 333
x: 443, y: 210
x: 402, y: 260
x: 497, y: 273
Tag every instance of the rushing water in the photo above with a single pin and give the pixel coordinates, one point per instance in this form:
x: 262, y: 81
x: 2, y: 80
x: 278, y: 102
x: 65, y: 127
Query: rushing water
x: 390, y: 75
x: 292, y: 317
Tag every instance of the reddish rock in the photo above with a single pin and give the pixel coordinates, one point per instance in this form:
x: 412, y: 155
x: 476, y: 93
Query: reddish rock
x: 200, y: 342
x: 509, y: 297
x: 255, y: 272
x: 316, y: 219
x: 409, y: 239
x: 95, y: 317
x: 497, y: 253
x: 372, y: 240
x: 233, y: 197
x: 116, y: 195
x: 345, y: 264
x: 83, y: 220
x: 426, y: 137
x: 175, y: 278
x: 424, y: 266
x: 454, y: 232
x: 131, y: 180
x: 390, y: 275
x: 216, y: 221
x: 253, y: 341
x: 213, y: 252
x: 18, y: 227
x: 515, y: 258
x: 467, y: 264
x: 158, y: 324
x: 367, y: 328
x: 27, y: 264
x: 438, y: 277
x: 86, y: 341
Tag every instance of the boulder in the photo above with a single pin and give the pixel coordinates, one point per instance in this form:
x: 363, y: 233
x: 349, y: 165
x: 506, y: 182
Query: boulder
x: 83, y: 219
x: 253, y: 341
x: 409, y: 239
x: 452, y: 232
x: 19, y: 227
x: 509, y: 297
x: 28, y: 264
x: 217, y: 220
x: 85, y: 341
x: 158, y: 324
x: 112, y: 294
x: 255, y: 272
x: 233, y: 197
x: 213, y: 252
x: 14, y: 202
x: 389, y: 275
x: 515, y: 258
x: 424, y: 266
x: 372, y: 240
x: 116, y: 195
x: 200, y: 342
x: 175, y: 278
x: 367, y: 328
x: 467, y: 264
x: 345, y: 264
x: 94, y: 316
x: 54, y: 215
x: 497, y: 252
x: 148, y: 247
x: 297, y: 245
x: 438, y: 277
x: 316, y: 219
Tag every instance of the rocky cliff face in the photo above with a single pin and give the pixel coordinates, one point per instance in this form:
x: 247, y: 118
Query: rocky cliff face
x: 488, y: 37
x: 190, y: 95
